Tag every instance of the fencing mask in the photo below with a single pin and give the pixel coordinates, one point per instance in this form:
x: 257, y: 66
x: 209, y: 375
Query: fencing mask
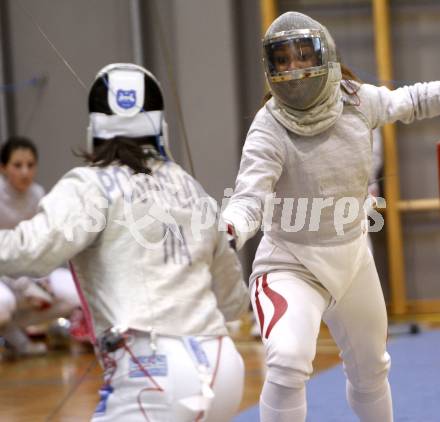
x: 299, y: 55
x: 303, y: 74
x: 126, y: 100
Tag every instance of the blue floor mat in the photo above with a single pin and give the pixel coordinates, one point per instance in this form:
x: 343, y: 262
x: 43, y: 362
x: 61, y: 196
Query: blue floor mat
x: 414, y: 378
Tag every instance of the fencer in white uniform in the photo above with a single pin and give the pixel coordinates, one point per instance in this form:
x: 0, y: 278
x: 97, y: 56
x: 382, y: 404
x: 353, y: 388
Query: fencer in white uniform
x: 27, y: 301
x: 311, y: 146
x: 159, y: 285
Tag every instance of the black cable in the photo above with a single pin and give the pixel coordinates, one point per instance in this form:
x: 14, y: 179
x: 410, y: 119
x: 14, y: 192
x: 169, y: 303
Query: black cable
x: 172, y: 79
x: 51, y: 44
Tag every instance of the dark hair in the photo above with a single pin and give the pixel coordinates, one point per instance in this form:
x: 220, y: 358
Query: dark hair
x: 122, y: 150
x: 14, y: 143
x: 348, y: 76
x: 352, y: 82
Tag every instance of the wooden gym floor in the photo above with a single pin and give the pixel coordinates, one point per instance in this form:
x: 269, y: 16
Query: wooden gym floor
x: 35, y: 389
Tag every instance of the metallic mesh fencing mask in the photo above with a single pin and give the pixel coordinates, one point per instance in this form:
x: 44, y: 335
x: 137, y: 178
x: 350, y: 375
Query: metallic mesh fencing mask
x: 297, y: 51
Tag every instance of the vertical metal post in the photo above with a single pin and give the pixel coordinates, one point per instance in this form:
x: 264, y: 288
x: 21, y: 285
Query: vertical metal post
x: 136, y: 32
x: 4, y: 124
x: 393, y: 223
x: 438, y: 164
x: 269, y: 11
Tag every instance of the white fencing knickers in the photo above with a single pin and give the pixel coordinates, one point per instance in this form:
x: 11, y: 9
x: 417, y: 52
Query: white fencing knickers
x: 166, y: 386
x: 289, y: 310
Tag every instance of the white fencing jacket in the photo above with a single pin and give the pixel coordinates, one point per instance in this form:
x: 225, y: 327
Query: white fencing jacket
x: 316, y: 173
x: 138, y: 254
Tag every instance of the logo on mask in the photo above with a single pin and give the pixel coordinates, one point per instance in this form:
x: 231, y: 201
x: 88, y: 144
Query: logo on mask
x: 126, y: 99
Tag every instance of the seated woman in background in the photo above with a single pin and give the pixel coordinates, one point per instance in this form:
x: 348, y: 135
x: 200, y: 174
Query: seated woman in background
x: 27, y: 301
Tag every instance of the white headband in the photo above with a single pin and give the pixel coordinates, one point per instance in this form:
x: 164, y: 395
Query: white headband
x: 142, y: 124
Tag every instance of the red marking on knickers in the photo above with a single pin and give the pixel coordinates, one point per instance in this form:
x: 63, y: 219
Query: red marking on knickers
x: 258, y: 304
x: 279, y: 303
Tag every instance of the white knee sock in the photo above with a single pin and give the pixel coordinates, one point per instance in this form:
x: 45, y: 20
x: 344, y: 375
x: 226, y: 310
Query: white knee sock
x: 372, y: 406
x: 282, y: 404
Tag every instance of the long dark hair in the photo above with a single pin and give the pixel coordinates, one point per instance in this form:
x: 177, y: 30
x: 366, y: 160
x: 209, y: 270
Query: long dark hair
x: 131, y: 152
x: 348, y: 76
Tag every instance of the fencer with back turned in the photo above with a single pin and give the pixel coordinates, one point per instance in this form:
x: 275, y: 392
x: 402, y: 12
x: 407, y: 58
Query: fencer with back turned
x: 156, y: 293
